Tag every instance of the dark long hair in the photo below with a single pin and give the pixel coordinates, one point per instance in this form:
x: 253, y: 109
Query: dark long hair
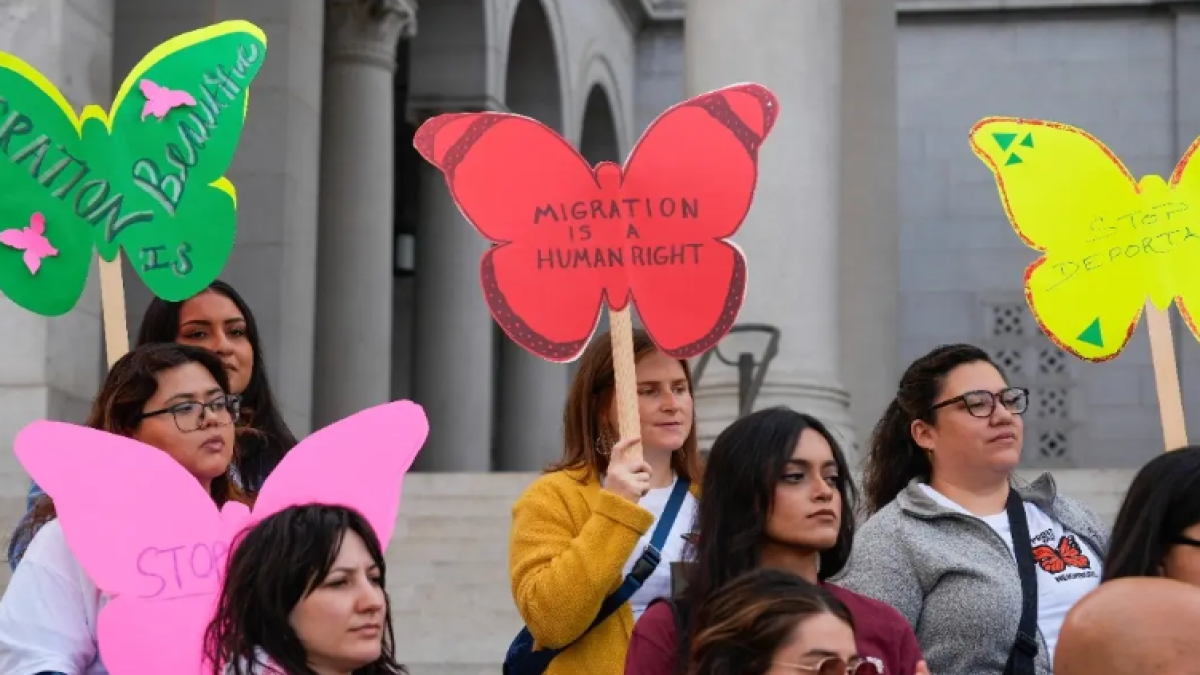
x: 1163, y: 500
x: 745, y: 465
x: 895, y: 458
x: 274, y: 565
x: 117, y: 409
x: 591, y: 395
x: 743, y: 624
x: 265, y: 437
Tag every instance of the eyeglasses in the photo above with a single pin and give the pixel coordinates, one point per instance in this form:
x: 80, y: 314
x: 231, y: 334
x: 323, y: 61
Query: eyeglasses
x: 189, y: 415
x: 982, y: 403
x: 833, y: 665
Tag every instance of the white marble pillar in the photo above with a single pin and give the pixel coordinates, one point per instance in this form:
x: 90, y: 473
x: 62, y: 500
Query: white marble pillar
x: 531, y: 393
x: 870, y: 245
x: 790, y: 237
x: 354, y: 255
x: 455, y: 340
x: 51, y: 368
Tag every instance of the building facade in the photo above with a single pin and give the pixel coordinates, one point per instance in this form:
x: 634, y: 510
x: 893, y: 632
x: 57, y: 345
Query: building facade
x: 875, y: 234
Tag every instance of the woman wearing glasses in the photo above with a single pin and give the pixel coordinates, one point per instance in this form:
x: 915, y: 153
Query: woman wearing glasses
x: 219, y: 320
x: 939, y: 546
x: 1157, y: 532
x: 771, y: 622
x: 172, y: 397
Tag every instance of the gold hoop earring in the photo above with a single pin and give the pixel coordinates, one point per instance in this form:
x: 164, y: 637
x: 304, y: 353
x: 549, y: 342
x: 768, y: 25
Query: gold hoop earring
x: 604, y: 443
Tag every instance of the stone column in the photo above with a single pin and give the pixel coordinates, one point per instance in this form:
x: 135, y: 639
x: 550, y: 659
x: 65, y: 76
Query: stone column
x: 532, y: 392
x: 51, y: 368
x: 870, y: 245
x: 354, y: 255
x: 790, y: 237
x: 455, y: 336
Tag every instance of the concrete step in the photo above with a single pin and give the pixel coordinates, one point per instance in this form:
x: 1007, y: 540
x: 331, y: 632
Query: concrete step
x: 453, y: 526
x: 451, y: 669
x: 468, y: 484
x: 455, y: 634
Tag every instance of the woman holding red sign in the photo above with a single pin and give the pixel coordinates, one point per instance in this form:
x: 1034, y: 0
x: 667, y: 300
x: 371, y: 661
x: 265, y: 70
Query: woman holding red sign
x: 602, y: 515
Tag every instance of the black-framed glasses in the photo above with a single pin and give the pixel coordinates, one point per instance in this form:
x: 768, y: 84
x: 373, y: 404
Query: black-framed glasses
x: 833, y: 665
x: 982, y: 403
x: 189, y: 415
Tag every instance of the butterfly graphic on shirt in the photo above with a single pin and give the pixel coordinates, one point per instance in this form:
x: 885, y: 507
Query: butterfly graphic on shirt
x: 1055, y: 560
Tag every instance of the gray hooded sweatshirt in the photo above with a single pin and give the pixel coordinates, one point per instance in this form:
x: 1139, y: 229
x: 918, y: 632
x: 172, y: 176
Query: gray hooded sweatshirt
x: 954, y: 578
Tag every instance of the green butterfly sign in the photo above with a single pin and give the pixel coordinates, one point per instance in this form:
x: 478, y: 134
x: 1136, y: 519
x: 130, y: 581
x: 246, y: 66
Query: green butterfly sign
x: 146, y: 177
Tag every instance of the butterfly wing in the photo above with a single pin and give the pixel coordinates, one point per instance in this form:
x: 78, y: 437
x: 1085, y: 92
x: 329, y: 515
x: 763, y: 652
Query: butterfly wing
x: 1049, y: 559
x: 43, y: 175
x: 696, y: 167
x: 1185, y: 197
x: 16, y: 238
x: 537, y: 200
x: 1069, y: 197
x: 126, y: 548
x: 149, y: 89
x: 1071, y: 554
x: 162, y: 564
x: 359, y: 462
x: 137, y: 638
x: 179, y: 216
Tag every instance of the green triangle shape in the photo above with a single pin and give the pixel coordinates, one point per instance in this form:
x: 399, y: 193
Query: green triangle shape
x: 1013, y: 159
x: 1028, y: 140
x: 1004, y: 140
x: 1091, y: 335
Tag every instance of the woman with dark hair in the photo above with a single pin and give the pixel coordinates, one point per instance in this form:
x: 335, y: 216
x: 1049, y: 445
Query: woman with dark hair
x: 218, y: 320
x: 771, y: 622
x: 305, y: 594
x: 777, y: 494
x: 590, y: 520
x: 1157, y: 532
x: 172, y: 397
x: 985, y: 571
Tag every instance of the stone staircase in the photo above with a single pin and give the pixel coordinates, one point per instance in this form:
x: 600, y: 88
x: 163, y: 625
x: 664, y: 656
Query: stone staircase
x: 452, y: 606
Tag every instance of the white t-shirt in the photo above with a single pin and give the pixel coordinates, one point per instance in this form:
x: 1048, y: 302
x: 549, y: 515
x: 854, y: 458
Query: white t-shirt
x: 659, y: 583
x: 1068, y: 568
x: 48, y: 612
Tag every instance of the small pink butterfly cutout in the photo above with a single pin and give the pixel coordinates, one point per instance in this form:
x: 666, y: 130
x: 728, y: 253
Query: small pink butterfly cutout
x: 160, y: 100
x: 32, y: 240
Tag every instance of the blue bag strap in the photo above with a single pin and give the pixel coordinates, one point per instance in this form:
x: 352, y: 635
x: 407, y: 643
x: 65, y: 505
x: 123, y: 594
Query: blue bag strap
x: 651, y: 555
x: 521, y: 660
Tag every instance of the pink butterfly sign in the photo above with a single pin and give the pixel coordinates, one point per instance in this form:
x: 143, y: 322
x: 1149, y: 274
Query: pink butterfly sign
x: 32, y: 240
x: 157, y: 545
x: 160, y: 100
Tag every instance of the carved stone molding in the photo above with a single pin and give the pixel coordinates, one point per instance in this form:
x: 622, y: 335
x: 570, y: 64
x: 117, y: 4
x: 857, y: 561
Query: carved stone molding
x: 368, y: 30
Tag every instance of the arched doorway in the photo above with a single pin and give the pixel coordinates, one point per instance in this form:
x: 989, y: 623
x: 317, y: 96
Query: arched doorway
x: 598, y: 143
x: 529, y: 391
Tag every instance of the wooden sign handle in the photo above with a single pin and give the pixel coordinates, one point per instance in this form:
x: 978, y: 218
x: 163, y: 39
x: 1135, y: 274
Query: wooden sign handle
x: 112, y: 303
x: 625, y: 376
x: 1166, y: 377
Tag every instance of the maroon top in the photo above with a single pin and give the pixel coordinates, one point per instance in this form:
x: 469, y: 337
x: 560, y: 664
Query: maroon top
x: 880, y: 631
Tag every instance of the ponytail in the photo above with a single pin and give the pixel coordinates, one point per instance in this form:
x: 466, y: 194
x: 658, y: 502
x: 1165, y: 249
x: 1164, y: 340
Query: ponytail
x: 894, y: 458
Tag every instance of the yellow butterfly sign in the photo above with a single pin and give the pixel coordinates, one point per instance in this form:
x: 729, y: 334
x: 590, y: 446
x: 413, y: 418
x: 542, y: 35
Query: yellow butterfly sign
x: 1109, y: 241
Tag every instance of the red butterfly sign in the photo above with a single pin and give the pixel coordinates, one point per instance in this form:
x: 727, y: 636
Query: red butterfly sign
x: 1068, y: 553
x: 568, y: 236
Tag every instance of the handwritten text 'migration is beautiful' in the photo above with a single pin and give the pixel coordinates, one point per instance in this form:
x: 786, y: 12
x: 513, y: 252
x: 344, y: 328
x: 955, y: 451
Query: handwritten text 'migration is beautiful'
x: 1156, y: 231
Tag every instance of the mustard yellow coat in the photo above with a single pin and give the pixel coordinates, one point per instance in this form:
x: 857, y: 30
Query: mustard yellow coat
x: 567, y: 550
